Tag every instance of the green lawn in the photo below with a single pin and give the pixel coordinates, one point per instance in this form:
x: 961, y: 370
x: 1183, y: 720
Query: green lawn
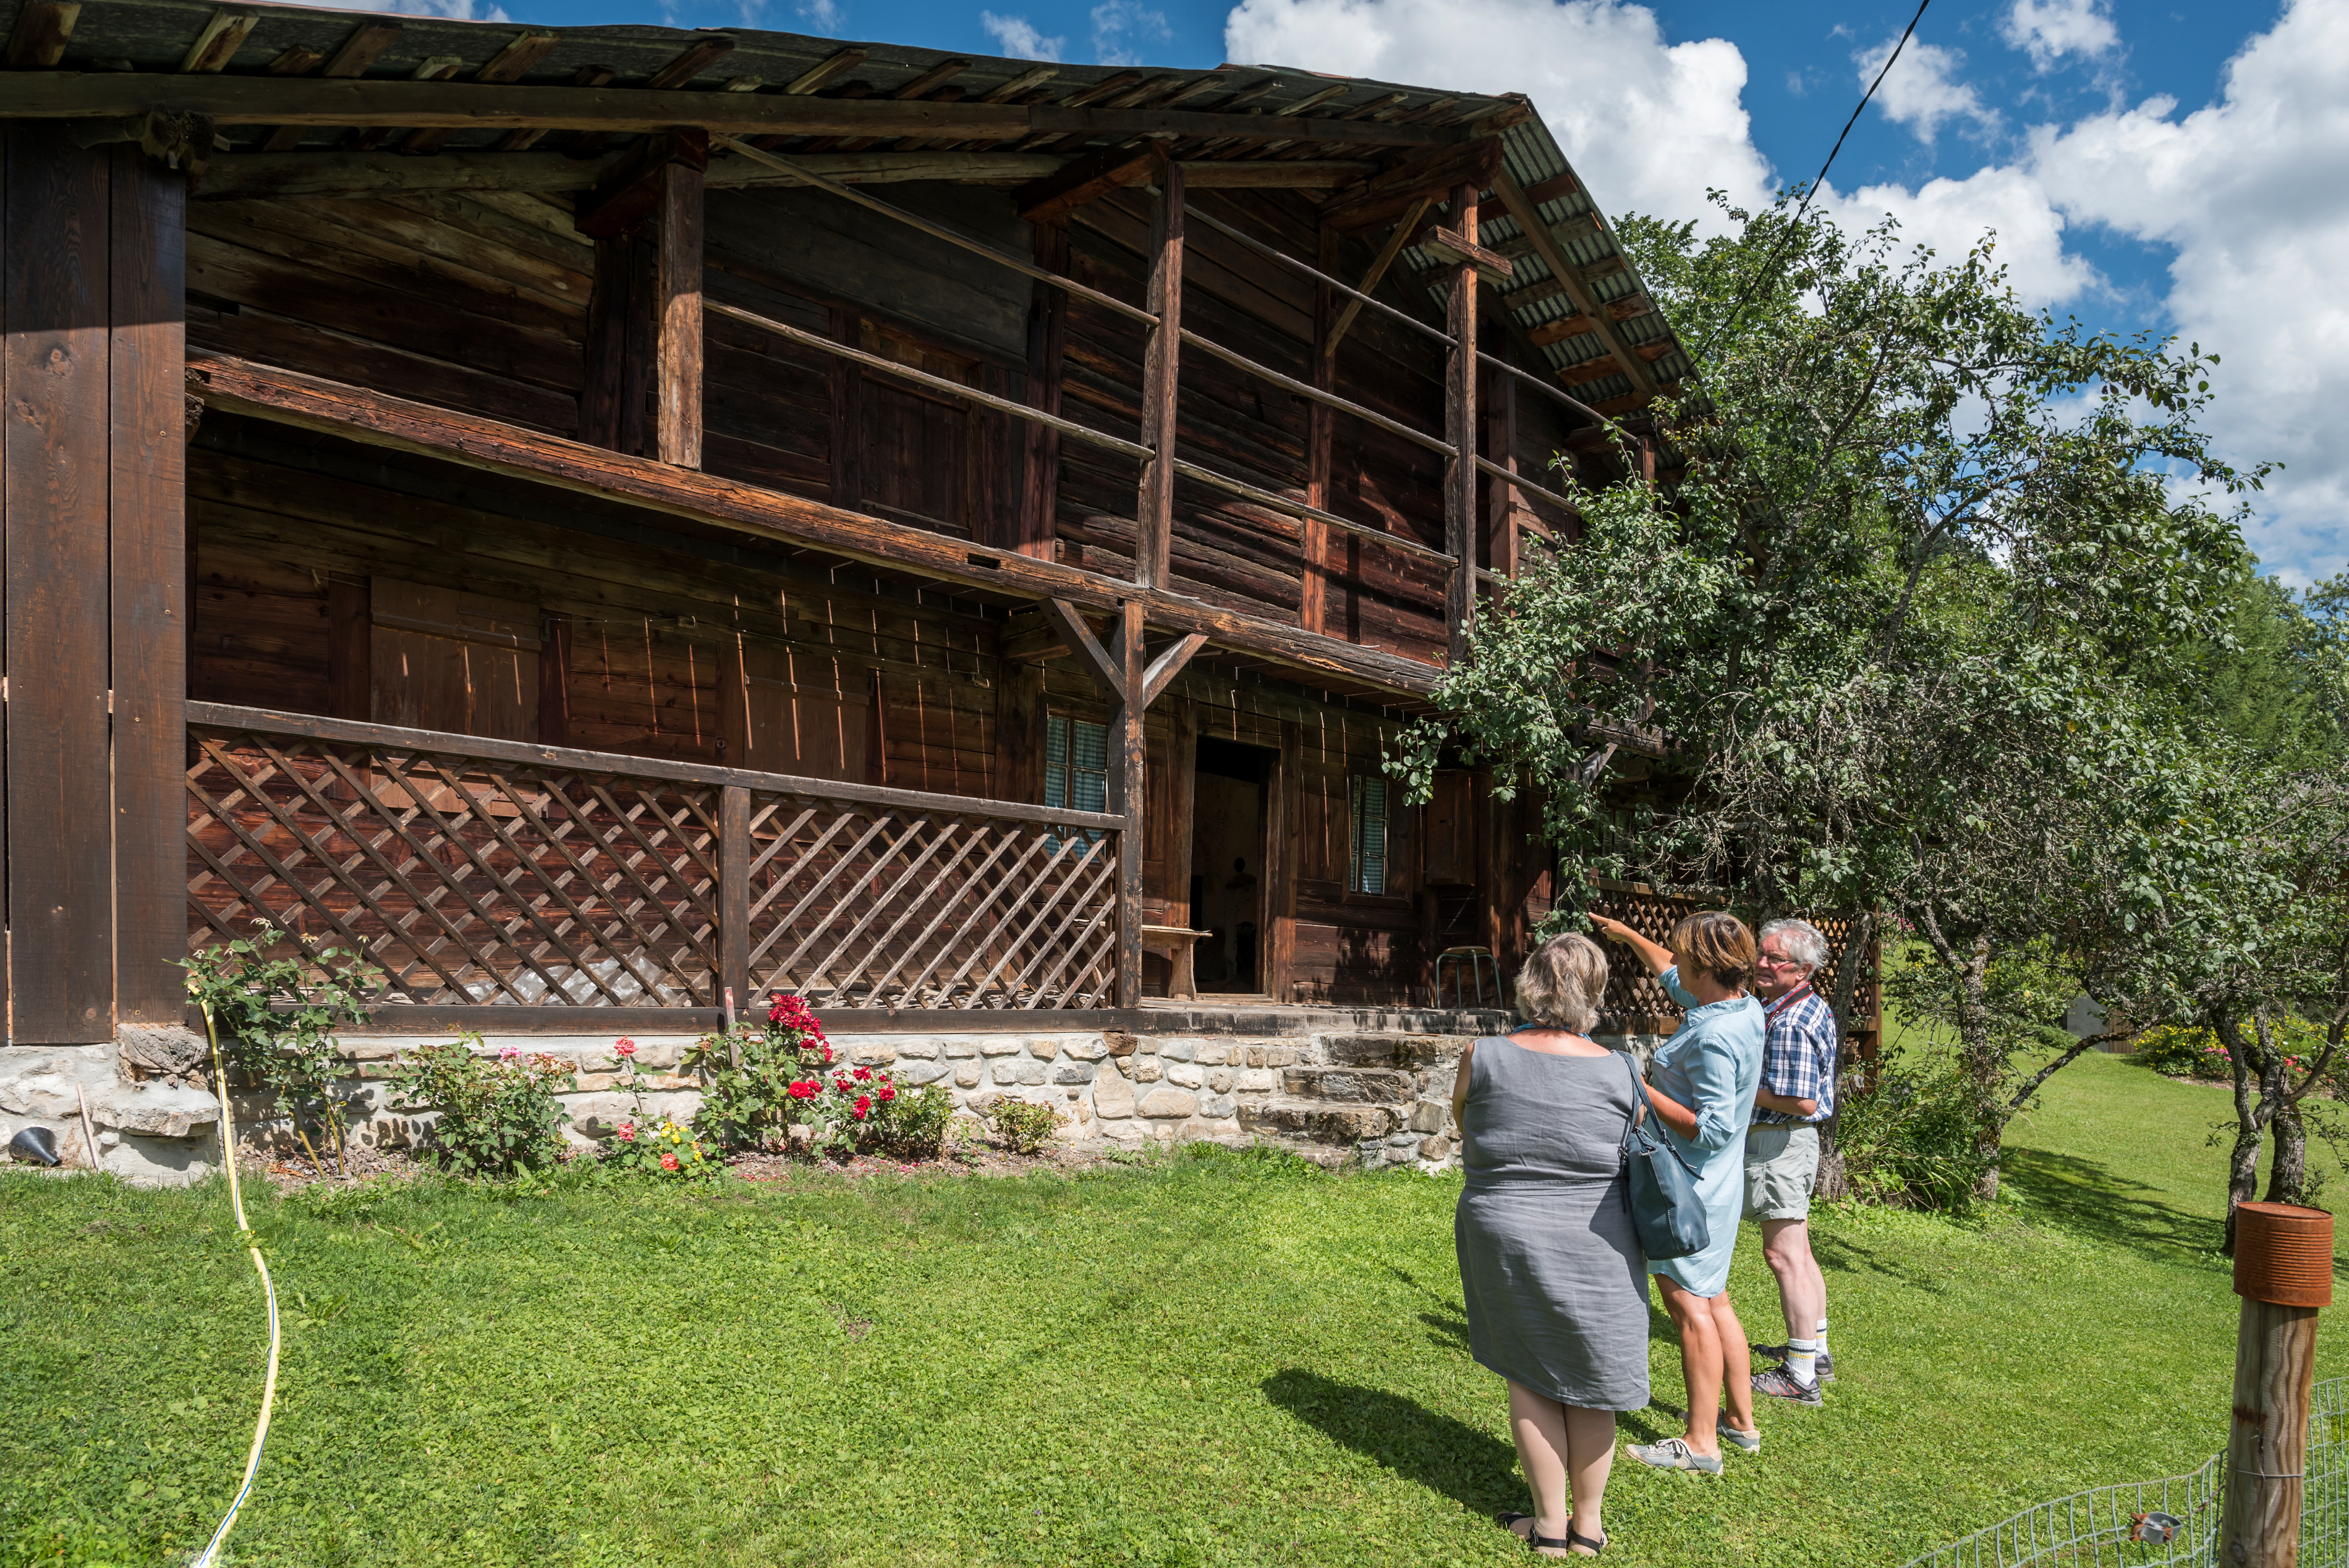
x: 1217, y: 1359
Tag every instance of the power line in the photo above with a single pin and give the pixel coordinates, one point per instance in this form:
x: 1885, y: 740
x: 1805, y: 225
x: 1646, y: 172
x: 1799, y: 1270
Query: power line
x: 1795, y: 225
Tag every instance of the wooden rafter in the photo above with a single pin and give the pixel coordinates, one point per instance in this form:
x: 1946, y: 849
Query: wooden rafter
x: 1553, y: 255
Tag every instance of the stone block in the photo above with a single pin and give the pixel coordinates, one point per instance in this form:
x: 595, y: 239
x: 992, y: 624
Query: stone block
x: 1147, y: 1070
x: 914, y: 1074
x: 1005, y: 1072
x: 1436, y: 1148
x: 1208, y: 1054
x: 1220, y: 1080
x: 1029, y: 1073
x: 1428, y: 1115
x: 1175, y: 1050
x: 918, y: 1050
x: 999, y: 1046
x: 1160, y: 1103
x: 1218, y: 1107
x: 1073, y: 1072
x: 1366, y: 1085
x: 1118, y: 1043
x: 959, y: 1048
x: 1276, y: 1057
x: 1112, y: 1096
x: 1255, y: 1080
x: 154, y: 1110
x: 1256, y: 1056
x: 1043, y: 1048
x: 1313, y: 1120
x: 1404, y: 1140
x: 967, y: 1076
x: 1186, y: 1074
x: 1124, y: 1132
x: 870, y: 1053
x: 1085, y: 1048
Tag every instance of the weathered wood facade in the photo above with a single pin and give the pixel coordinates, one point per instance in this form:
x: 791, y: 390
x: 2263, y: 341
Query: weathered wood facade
x: 621, y: 518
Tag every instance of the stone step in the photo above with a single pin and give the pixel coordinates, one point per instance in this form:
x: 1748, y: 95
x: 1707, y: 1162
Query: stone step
x: 1349, y: 1085
x: 1411, y: 1053
x: 1317, y: 1121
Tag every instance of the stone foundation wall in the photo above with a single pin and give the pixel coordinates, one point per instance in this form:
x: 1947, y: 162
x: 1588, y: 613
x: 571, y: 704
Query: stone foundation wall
x: 154, y: 1124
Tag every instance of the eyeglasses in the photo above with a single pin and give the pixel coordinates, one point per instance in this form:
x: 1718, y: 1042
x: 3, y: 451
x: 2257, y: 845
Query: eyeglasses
x: 1772, y: 960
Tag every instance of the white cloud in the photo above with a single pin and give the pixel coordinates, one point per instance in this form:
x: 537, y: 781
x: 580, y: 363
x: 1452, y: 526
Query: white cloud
x: 2047, y: 30
x: 825, y: 16
x: 1921, y: 90
x: 1019, y: 37
x: 1124, y: 28
x: 1952, y: 216
x: 1649, y: 124
x: 446, y: 10
x: 2250, y: 190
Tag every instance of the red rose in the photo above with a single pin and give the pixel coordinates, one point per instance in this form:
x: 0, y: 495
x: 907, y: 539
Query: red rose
x: 805, y: 1090
x: 668, y: 1162
x: 624, y: 1047
x: 861, y: 1074
x: 864, y: 1106
x: 887, y: 1092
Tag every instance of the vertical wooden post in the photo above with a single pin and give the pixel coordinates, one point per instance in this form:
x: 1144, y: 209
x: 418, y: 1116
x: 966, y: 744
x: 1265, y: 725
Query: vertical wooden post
x: 1047, y: 330
x: 56, y: 425
x: 1501, y: 506
x: 1283, y: 843
x: 1313, y: 585
x: 1460, y: 434
x: 1126, y: 766
x: 677, y: 316
x: 147, y: 504
x: 847, y: 449
x: 734, y: 893
x: 2283, y: 1271
x: 1020, y: 732
x: 1162, y: 355
x: 350, y: 628
x: 554, y: 685
x: 617, y: 344
x: 1182, y: 805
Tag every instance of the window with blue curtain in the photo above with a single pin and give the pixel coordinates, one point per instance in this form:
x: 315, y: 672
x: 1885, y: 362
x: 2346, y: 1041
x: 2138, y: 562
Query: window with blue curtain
x: 1076, y: 765
x: 1368, y: 872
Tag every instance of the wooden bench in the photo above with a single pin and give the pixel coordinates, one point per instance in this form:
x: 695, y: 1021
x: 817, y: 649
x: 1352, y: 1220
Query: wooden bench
x: 1177, y: 942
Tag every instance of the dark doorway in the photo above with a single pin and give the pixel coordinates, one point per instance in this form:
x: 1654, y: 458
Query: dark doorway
x: 1227, y: 870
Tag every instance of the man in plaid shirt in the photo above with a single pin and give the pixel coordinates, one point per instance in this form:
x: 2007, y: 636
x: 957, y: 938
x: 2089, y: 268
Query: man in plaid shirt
x: 1782, y: 1150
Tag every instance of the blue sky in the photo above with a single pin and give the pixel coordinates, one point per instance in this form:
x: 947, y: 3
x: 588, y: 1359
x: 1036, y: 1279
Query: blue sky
x: 2147, y: 164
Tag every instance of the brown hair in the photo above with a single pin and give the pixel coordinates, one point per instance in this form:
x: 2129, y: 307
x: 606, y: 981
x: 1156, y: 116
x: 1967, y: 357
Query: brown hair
x: 1717, y: 944
x: 1562, y: 982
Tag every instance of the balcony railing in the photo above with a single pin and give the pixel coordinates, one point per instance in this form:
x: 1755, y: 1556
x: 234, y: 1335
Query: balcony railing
x: 484, y: 873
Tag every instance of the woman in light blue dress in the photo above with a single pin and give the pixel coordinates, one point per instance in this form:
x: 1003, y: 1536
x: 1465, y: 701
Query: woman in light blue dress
x: 1702, y: 1083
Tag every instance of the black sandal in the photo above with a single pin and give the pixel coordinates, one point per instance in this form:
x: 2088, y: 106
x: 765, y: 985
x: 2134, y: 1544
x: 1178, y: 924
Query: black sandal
x: 1535, y: 1542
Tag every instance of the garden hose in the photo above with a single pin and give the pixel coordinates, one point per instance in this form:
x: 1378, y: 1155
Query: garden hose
x: 236, y: 1201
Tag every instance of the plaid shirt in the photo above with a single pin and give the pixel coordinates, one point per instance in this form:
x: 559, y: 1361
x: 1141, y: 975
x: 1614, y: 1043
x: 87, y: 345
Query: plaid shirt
x: 1799, y: 1060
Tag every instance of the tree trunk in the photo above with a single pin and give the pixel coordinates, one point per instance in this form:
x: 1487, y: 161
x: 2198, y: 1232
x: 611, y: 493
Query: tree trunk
x: 2251, y: 1120
x: 1985, y: 1065
x: 2288, y: 1175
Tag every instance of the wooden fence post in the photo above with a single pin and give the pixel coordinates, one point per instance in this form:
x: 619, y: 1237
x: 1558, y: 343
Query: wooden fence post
x: 734, y: 896
x: 2283, y: 1271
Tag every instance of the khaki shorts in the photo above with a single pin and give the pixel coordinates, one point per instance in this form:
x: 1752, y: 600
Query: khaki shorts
x: 1782, y: 1166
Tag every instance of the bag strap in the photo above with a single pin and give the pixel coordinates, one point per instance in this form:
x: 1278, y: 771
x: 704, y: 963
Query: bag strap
x: 1663, y: 1139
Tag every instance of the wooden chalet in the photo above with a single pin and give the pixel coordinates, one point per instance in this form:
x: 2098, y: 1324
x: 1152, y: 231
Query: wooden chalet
x: 619, y: 520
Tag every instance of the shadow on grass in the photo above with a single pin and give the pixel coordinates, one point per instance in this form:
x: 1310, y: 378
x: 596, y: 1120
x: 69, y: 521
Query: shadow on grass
x: 1840, y: 1253
x: 2088, y: 1198
x: 1473, y: 1469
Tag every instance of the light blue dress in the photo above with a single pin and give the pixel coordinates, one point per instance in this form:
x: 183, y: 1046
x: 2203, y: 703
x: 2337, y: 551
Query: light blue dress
x: 1713, y: 1064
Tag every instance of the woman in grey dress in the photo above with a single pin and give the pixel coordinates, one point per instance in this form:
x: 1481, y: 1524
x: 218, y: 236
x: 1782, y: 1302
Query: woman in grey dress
x: 1549, y: 1264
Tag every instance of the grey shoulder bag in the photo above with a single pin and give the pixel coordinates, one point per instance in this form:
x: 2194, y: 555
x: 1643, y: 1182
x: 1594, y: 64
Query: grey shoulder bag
x: 1665, y: 1210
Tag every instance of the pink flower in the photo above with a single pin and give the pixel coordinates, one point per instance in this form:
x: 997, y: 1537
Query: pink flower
x: 624, y: 1047
x: 628, y: 1132
x: 668, y: 1162
x: 508, y: 1052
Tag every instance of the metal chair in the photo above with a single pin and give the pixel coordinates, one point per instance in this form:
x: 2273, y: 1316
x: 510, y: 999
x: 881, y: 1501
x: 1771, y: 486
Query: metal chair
x: 1477, y: 958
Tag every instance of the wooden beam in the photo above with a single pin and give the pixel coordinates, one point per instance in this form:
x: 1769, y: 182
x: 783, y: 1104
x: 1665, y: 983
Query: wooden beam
x: 508, y: 63
x: 1168, y: 664
x: 845, y: 440
x: 377, y: 420
x: 1108, y: 672
x: 225, y: 33
x: 1313, y: 576
x: 43, y: 29
x: 690, y: 62
x: 1460, y: 429
x: 1082, y: 179
x: 310, y: 100
x: 1128, y: 772
x: 824, y: 70
x: 1162, y: 357
x: 1048, y: 329
x: 1386, y: 196
x: 1501, y: 502
x: 1545, y: 246
x: 677, y: 316
x: 1453, y: 246
x: 626, y: 194
x: 617, y: 349
x: 1393, y: 247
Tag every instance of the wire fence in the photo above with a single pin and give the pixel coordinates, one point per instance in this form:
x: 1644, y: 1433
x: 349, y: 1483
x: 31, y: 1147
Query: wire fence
x: 2172, y: 1522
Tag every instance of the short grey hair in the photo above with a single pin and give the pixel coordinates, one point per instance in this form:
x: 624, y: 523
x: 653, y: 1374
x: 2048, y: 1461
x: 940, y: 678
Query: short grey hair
x: 1804, y: 943
x: 1562, y: 982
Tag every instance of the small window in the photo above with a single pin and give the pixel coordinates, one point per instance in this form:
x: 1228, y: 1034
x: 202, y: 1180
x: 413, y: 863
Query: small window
x: 1076, y: 764
x: 1368, y: 873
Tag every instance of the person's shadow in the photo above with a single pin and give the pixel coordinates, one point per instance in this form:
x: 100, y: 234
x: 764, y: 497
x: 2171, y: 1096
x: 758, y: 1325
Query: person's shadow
x: 1474, y: 1469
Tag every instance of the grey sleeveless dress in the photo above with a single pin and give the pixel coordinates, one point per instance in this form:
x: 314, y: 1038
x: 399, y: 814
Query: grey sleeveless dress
x: 1551, y: 1268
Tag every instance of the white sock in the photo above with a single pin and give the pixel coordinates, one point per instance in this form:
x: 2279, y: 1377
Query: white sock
x: 1803, y: 1360
x: 1820, y: 1338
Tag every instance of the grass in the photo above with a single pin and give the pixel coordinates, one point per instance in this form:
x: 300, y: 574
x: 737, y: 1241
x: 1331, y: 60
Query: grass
x: 1211, y: 1359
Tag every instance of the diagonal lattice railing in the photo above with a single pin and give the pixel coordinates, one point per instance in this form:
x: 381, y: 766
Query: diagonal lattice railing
x: 477, y: 871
